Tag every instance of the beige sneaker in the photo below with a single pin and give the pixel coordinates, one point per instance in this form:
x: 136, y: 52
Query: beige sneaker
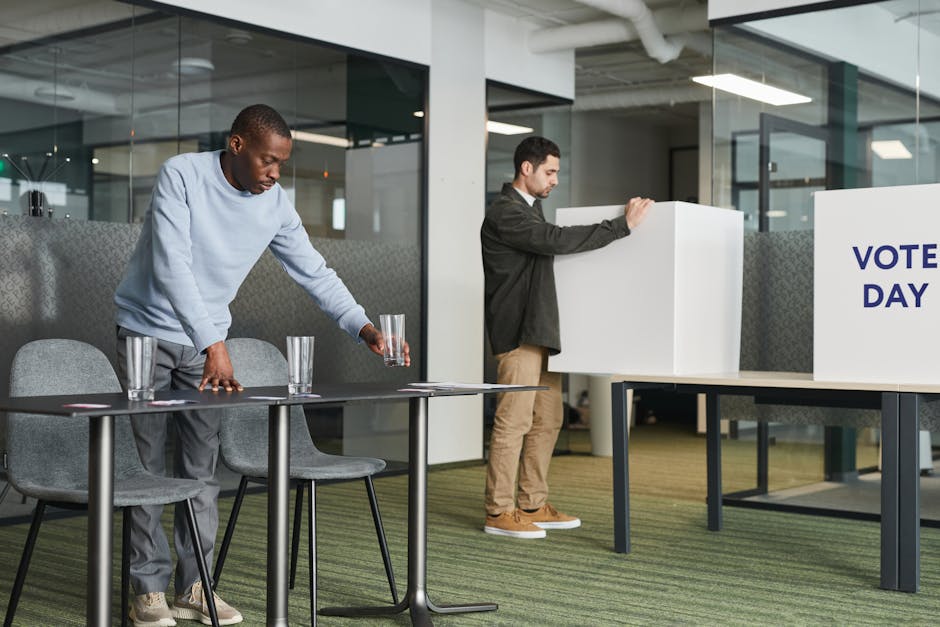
x: 192, y: 605
x: 150, y: 610
x: 547, y: 517
x: 510, y: 524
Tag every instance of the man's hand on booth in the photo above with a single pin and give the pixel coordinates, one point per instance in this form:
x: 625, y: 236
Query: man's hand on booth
x: 218, y: 371
x: 635, y: 211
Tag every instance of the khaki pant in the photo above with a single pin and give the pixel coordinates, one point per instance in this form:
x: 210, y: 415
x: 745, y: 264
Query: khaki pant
x: 527, y: 423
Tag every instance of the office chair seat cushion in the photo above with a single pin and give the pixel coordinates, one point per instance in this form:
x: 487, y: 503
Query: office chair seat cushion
x: 143, y: 489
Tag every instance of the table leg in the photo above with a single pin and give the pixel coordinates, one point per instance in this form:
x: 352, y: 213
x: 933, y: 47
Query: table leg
x: 278, y: 497
x: 100, y: 507
x: 416, y: 598
x: 713, y: 458
x: 618, y: 394
x: 908, y: 494
x: 890, y: 409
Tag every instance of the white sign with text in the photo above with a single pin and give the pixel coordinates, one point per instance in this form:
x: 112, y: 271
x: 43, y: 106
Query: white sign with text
x: 877, y: 285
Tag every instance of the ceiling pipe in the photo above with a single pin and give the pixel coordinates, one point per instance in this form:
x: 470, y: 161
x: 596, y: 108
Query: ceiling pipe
x: 670, y: 21
x: 647, y: 30
x: 642, y: 97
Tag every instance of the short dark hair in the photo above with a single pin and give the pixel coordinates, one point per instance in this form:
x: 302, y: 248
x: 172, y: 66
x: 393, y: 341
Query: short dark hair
x: 259, y: 119
x: 535, y: 150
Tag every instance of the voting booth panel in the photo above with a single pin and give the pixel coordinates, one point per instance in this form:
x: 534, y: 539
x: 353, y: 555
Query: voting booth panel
x: 665, y: 300
x: 877, y: 297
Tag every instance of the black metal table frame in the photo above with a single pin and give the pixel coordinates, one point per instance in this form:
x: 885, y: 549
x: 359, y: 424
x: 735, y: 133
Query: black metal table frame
x: 101, y: 485
x: 900, y: 482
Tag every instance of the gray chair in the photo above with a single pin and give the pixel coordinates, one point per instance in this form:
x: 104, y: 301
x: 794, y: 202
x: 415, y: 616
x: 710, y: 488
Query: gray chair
x: 48, y: 456
x: 244, y: 447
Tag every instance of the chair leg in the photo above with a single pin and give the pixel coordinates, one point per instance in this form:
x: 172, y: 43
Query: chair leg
x: 312, y: 546
x: 230, y: 529
x: 24, y: 562
x: 3, y: 494
x: 207, y: 590
x: 380, y: 534
x: 125, y: 563
x: 295, y: 538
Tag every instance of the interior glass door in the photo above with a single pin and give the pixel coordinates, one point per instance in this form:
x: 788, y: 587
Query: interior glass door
x: 792, y: 166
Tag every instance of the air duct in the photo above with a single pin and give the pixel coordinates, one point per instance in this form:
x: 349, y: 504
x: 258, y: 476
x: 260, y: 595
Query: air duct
x: 670, y: 21
x: 642, y: 19
x: 44, y: 92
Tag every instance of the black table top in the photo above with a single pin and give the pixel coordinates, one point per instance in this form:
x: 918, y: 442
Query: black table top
x: 118, y: 404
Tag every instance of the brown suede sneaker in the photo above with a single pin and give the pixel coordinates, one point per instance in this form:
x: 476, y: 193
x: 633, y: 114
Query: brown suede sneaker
x: 511, y: 524
x: 191, y: 605
x: 547, y: 517
x: 150, y: 610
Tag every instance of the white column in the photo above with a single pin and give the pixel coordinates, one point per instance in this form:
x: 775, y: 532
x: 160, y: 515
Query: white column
x: 456, y: 198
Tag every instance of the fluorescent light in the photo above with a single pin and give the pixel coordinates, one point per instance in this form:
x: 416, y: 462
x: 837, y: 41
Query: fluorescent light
x: 418, y: 114
x: 776, y: 213
x: 316, y: 138
x: 506, y: 129
x: 891, y: 149
x: 752, y: 89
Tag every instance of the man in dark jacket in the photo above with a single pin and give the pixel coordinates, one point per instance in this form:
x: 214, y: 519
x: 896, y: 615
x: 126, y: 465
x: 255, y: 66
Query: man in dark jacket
x: 522, y: 320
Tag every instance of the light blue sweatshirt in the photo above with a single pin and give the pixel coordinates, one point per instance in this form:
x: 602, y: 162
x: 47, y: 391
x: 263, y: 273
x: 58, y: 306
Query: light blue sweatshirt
x: 200, y: 238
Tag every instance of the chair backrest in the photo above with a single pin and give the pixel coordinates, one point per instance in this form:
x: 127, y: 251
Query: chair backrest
x: 50, y: 450
x: 244, y: 432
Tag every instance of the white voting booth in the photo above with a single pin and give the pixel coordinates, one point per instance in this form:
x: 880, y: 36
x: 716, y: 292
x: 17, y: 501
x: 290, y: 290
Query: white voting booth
x: 877, y: 287
x: 665, y: 300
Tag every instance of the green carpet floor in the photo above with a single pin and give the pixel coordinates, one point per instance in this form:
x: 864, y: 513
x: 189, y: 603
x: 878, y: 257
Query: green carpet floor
x: 765, y: 568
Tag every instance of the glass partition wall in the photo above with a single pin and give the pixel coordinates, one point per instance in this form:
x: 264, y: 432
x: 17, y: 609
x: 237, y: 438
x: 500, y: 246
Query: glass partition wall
x: 95, y: 96
x: 862, y: 110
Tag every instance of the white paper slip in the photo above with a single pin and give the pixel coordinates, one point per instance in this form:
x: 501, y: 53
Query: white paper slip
x: 431, y: 384
x: 175, y: 401
x: 267, y: 398
x: 446, y: 385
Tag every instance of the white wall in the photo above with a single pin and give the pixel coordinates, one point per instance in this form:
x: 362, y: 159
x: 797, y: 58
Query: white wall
x: 463, y: 45
x: 394, y: 28
x: 508, y: 59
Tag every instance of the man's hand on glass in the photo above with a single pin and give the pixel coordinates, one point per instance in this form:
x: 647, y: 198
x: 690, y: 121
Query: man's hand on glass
x: 376, y: 342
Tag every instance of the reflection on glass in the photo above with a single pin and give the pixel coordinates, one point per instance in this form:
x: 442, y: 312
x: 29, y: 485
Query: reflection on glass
x: 873, y: 120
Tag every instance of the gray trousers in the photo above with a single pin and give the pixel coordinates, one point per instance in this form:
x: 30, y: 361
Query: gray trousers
x: 196, y: 456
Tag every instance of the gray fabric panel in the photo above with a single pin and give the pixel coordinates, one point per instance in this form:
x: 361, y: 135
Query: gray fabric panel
x: 49, y: 455
x: 57, y: 279
x: 244, y: 432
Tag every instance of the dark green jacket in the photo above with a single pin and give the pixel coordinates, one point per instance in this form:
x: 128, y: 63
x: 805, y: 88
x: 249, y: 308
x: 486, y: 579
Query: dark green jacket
x: 518, y: 252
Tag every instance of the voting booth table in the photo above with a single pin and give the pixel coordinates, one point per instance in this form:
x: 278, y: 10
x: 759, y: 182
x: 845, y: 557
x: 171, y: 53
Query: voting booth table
x: 674, y: 289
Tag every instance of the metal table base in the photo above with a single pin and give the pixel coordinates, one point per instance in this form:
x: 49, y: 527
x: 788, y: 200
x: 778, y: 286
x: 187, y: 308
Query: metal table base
x: 416, y: 599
